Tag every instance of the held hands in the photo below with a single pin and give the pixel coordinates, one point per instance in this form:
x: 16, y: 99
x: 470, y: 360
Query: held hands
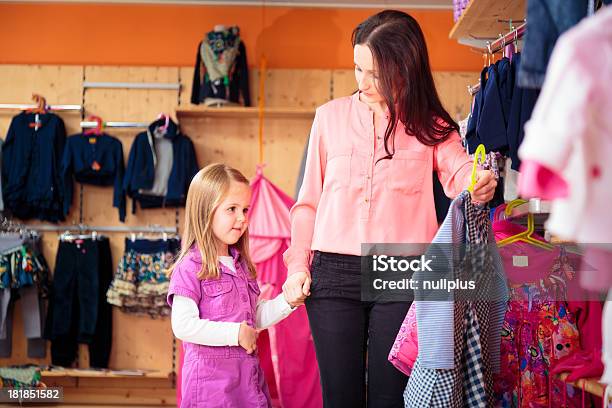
x: 485, y: 187
x: 296, y: 288
x: 247, y: 338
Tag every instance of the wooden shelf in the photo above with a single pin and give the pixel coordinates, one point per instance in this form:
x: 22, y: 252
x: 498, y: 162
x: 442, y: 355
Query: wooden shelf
x: 244, y: 112
x: 591, y: 385
x: 75, y: 373
x: 479, y: 21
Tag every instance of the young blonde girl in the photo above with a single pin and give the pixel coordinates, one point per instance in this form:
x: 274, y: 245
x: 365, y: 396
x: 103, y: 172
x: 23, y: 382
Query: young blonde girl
x: 214, y: 296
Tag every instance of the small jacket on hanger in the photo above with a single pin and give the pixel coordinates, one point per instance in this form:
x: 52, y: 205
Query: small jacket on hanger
x: 160, y: 167
x: 32, y: 153
x: 221, y: 71
x: 96, y: 160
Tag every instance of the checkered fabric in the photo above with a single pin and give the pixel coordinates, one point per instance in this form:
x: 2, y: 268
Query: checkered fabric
x: 469, y: 383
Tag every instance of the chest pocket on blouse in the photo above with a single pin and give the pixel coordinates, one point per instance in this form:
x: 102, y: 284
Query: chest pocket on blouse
x: 254, y: 292
x: 405, y: 173
x: 338, y: 170
x: 220, y: 296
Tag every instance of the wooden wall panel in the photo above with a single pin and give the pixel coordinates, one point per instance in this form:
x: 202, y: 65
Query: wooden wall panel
x: 299, y: 88
x: 452, y: 88
x: 295, y: 87
x: 60, y: 85
x: 130, y: 104
x: 234, y: 141
x: 133, y: 344
x: 186, y: 79
x: 344, y: 82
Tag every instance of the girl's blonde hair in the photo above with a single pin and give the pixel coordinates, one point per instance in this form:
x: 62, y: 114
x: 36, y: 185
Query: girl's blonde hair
x: 207, y: 190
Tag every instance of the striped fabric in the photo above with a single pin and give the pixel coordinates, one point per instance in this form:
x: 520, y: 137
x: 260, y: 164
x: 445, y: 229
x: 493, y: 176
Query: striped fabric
x: 435, y: 318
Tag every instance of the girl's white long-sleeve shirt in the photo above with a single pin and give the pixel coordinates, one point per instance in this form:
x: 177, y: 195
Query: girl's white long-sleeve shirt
x: 187, y: 325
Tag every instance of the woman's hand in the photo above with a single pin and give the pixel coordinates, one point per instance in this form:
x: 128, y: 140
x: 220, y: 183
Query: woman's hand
x: 485, y: 187
x: 296, y: 288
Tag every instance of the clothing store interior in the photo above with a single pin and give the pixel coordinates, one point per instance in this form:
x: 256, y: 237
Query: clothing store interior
x: 126, y: 103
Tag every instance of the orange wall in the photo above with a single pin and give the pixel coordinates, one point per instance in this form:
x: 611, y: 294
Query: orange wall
x: 167, y: 35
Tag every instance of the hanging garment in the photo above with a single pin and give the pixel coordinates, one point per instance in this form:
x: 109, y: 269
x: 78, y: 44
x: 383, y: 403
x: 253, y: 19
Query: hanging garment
x: 78, y: 312
x: 20, y: 377
x: 221, y: 69
x: 295, y: 372
x: 141, y: 282
x: 23, y: 277
x: 538, y: 331
x: 31, y: 157
x: 97, y: 160
x: 160, y: 167
x: 569, y: 132
x: 459, y: 339
x: 548, y: 19
x: 606, y: 378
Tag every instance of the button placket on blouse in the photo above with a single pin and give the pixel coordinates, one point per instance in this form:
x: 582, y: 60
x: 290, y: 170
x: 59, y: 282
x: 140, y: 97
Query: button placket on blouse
x: 371, y: 159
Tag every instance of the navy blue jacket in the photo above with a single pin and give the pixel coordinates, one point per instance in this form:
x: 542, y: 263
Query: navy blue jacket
x: 96, y: 160
x: 31, y: 184
x: 140, y: 172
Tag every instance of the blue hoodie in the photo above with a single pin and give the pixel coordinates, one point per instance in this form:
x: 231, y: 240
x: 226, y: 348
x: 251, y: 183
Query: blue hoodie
x: 143, y: 158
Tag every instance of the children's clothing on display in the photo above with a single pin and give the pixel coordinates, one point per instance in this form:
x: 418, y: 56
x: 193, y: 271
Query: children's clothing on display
x: 141, y: 281
x: 78, y: 312
x: 161, y: 164
x: 31, y: 157
x: 221, y: 69
x: 23, y: 276
x: 97, y: 160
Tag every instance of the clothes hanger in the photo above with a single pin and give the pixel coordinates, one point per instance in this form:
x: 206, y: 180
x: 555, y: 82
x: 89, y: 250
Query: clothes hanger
x: 99, y: 126
x: 481, y: 153
x: 166, y: 118
x: 40, y: 109
x: 527, y: 235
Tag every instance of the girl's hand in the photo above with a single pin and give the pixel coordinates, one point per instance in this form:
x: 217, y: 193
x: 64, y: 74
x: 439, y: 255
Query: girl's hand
x: 485, y: 187
x: 247, y: 338
x: 296, y: 288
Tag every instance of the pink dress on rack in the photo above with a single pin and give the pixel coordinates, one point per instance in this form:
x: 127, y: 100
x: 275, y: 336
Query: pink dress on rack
x: 539, y: 328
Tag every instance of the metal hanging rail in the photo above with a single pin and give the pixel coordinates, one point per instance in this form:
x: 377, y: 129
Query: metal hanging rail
x: 502, y: 41
x: 84, y: 227
x: 88, y: 125
x: 499, y: 45
x: 131, y: 85
x: 22, y: 106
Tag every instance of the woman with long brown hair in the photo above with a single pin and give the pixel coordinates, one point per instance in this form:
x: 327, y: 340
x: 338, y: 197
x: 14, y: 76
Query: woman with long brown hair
x: 368, y: 180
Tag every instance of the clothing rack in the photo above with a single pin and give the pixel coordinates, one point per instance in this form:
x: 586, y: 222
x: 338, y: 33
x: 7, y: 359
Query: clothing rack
x: 92, y: 125
x: 83, y: 227
x: 131, y: 85
x: 502, y: 41
x: 22, y: 106
x: 499, y: 45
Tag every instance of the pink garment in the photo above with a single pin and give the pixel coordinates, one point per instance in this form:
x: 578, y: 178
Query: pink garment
x: 540, y: 262
x: 348, y: 198
x: 405, y: 349
x: 295, y: 374
x: 570, y: 130
x: 536, y: 180
x: 582, y: 364
x: 596, y: 271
